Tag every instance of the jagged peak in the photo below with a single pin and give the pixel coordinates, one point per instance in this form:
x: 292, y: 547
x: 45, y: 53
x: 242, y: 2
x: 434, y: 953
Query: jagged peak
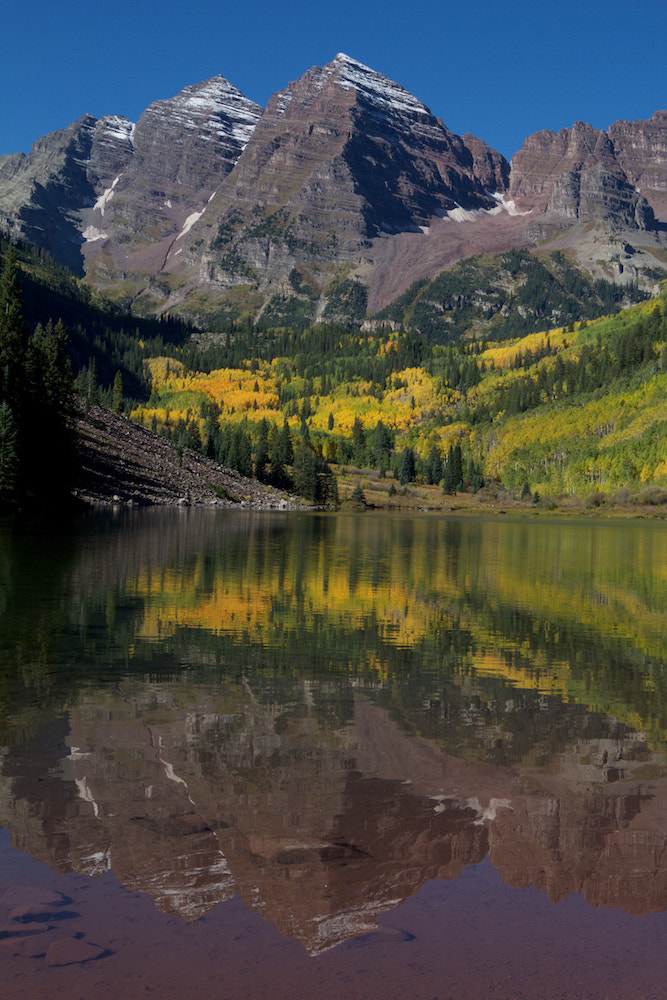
x: 376, y: 87
x: 216, y: 95
x: 214, y: 87
x: 341, y: 59
x: 228, y: 111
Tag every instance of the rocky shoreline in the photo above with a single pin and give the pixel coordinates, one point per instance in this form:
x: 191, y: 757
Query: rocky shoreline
x: 123, y: 463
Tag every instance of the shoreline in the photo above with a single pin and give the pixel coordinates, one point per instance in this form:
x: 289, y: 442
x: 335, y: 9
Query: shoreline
x: 125, y: 465
x: 492, y: 501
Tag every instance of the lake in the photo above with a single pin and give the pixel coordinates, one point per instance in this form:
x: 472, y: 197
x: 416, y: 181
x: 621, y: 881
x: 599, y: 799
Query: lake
x: 278, y: 754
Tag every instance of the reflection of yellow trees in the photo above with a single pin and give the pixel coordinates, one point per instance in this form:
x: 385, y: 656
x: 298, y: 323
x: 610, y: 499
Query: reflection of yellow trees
x: 415, y: 583
x: 245, y: 611
x: 555, y: 679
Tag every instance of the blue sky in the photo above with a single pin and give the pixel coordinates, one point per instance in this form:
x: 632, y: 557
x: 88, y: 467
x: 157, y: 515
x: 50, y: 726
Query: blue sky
x: 498, y: 70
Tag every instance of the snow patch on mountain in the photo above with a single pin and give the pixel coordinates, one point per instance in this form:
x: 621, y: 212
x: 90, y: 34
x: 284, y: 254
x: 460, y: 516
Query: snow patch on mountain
x: 460, y: 214
x: 106, y: 196
x: 189, y: 223
x: 504, y: 204
x: 507, y: 204
x: 91, y: 234
x: 117, y: 128
x: 283, y: 101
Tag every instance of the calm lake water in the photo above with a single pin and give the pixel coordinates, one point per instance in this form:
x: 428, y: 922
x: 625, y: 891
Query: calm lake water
x: 275, y: 755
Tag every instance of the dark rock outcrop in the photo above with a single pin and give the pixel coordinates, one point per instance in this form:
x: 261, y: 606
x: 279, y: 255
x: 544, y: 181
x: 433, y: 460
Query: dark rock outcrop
x: 42, y: 194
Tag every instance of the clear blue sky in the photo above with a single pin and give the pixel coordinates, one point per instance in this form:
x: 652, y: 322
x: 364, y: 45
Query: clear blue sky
x: 498, y: 70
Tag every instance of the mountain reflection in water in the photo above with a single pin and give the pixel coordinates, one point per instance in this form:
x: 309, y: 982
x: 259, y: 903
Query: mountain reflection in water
x: 322, y: 713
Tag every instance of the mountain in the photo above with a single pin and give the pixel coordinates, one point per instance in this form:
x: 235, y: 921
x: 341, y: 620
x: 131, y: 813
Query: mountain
x: 329, y: 203
x: 43, y: 194
x: 110, y: 198
x: 341, y: 163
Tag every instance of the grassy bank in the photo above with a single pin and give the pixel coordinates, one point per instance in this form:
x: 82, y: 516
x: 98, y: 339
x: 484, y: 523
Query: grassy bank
x: 386, y: 493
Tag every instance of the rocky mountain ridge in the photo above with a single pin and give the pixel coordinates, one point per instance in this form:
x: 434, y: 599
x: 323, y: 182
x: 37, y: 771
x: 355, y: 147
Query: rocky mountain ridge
x: 328, y: 203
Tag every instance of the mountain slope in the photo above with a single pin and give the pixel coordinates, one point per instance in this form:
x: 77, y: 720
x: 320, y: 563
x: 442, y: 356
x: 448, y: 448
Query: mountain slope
x: 122, y: 463
x: 498, y: 296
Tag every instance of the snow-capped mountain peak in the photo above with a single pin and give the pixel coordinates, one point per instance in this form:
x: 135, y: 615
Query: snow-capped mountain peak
x: 215, y: 108
x: 375, y: 87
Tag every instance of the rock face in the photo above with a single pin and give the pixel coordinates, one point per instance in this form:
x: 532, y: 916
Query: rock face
x: 641, y: 151
x: 181, y: 150
x: 347, y: 127
x: 586, y: 175
x: 490, y: 167
x: 329, y: 203
x: 41, y: 194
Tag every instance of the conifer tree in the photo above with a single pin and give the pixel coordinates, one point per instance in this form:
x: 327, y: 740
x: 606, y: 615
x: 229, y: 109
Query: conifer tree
x: 13, y: 331
x: 433, y: 467
x: 262, y: 451
x: 358, y: 442
x: 8, y: 452
x: 117, y: 393
x: 452, y: 479
x: 38, y: 455
x: 406, y: 467
x: 304, y: 471
x: 381, y: 445
x: 287, y: 450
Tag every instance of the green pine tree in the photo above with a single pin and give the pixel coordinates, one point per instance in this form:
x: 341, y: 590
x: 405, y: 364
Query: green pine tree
x: 8, y: 453
x: 304, y: 471
x: 117, y: 393
x: 433, y: 467
x: 262, y: 452
x: 13, y: 331
x: 406, y: 467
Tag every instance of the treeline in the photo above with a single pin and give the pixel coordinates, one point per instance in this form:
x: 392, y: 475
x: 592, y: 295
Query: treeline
x: 330, y: 351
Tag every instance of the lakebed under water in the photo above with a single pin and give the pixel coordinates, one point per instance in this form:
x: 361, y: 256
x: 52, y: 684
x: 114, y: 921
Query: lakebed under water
x: 272, y: 754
